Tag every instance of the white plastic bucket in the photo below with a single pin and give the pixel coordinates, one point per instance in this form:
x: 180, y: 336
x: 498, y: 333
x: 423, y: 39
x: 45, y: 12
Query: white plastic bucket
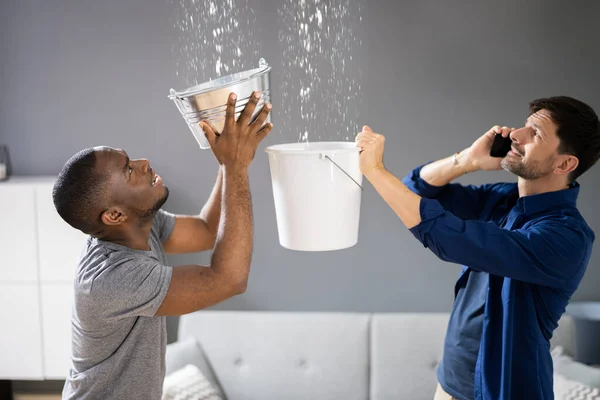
x: 317, y: 192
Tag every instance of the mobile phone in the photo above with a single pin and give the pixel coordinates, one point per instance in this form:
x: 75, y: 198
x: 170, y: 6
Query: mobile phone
x: 500, y: 146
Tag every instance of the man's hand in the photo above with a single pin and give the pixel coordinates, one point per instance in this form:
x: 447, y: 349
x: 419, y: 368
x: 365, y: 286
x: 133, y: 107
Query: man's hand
x: 478, y: 155
x: 236, y: 146
x: 371, y: 154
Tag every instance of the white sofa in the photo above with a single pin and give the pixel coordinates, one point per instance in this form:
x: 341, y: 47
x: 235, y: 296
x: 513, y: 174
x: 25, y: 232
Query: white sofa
x: 320, y: 355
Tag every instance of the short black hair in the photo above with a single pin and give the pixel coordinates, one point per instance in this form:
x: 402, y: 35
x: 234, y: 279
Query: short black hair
x: 578, y: 129
x: 77, y: 192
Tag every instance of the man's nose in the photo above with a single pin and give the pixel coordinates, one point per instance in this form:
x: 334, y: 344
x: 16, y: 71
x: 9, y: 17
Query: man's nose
x: 518, y: 135
x: 144, y: 164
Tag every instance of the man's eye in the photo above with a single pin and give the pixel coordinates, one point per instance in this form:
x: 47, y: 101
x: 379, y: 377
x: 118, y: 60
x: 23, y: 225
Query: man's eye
x: 130, y: 170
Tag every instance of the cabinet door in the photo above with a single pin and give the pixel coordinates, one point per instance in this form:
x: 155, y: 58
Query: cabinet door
x: 18, y: 247
x: 57, y: 300
x: 20, y: 336
x: 60, y: 245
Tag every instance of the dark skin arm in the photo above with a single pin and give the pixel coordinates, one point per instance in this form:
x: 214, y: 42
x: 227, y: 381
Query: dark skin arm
x: 195, y: 233
x: 194, y: 287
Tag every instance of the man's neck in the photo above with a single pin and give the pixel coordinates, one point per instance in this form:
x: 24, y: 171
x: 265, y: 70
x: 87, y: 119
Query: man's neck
x: 542, y: 185
x: 132, y: 236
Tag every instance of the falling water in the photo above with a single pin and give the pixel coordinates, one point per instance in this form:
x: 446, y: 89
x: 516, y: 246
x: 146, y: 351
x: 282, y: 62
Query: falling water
x: 320, y: 89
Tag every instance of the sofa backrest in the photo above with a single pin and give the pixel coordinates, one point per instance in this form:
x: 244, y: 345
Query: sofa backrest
x: 284, y: 355
x: 327, y: 355
x: 405, y: 351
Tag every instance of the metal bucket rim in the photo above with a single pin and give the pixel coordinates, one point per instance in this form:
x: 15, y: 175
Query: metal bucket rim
x: 201, y: 88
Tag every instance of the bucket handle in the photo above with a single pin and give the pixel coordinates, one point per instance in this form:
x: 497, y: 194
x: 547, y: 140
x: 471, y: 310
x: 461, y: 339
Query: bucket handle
x: 341, y: 169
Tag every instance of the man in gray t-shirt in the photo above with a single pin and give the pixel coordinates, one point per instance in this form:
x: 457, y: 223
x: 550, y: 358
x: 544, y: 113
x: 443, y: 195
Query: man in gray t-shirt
x: 115, y: 333
x: 124, y: 285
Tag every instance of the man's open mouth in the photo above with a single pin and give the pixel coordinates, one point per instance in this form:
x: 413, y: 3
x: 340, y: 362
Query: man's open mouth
x: 516, y: 152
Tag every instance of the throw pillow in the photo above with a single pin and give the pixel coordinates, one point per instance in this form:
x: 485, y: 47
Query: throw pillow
x: 567, y: 367
x: 566, y: 389
x: 189, y: 351
x: 188, y: 383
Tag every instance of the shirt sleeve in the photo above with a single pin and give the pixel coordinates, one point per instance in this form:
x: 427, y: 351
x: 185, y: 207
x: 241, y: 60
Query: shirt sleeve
x: 163, y: 224
x: 550, y: 253
x: 464, y: 201
x: 130, y: 288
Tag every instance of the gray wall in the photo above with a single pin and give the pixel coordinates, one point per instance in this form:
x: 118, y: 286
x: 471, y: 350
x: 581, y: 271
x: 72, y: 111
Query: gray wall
x: 434, y: 76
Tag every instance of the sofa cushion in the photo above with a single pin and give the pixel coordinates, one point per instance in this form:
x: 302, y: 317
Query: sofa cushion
x: 568, y: 389
x: 568, y: 368
x: 185, y: 352
x: 284, y: 355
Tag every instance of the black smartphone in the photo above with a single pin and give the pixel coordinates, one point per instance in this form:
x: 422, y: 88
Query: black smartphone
x: 500, y: 146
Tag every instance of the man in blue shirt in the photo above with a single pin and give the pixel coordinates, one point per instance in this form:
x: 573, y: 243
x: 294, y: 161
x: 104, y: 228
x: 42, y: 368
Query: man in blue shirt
x: 524, y: 246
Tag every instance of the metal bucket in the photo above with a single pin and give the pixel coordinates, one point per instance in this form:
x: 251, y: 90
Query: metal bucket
x: 208, y: 100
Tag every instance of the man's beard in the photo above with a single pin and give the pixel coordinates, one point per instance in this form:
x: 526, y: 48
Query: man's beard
x: 147, y: 215
x: 529, y: 171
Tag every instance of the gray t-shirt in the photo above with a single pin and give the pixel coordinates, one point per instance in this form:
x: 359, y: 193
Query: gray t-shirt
x: 118, y: 348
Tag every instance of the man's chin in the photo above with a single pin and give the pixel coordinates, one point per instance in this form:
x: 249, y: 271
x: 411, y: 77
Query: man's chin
x: 507, y: 166
x: 150, y: 213
x: 525, y: 172
x: 162, y: 200
x: 514, y: 168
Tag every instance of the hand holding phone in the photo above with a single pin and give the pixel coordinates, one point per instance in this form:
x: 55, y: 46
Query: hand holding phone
x: 500, y: 146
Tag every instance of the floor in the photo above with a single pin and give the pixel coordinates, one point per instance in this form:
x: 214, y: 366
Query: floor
x: 36, y: 390
x: 23, y: 396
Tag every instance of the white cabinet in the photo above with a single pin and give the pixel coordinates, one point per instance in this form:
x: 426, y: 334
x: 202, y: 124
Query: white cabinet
x: 60, y: 245
x: 56, y: 326
x: 21, y: 335
x: 18, y: 244
x: 38, y: 258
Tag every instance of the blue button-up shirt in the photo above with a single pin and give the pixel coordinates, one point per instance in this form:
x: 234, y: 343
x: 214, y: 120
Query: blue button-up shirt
x: 535, y: 261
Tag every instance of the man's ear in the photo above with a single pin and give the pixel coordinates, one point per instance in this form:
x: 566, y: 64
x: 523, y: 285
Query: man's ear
x: 568, y: 164
x: 113, y: 216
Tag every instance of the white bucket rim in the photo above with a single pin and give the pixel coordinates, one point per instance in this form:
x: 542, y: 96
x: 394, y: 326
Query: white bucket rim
x: 313, y: 148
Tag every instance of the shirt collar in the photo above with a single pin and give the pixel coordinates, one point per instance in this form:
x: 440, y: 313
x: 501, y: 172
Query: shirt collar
x: 545, y: 201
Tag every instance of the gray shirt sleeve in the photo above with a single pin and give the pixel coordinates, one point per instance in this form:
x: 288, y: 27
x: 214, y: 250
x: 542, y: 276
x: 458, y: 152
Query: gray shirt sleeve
x: 163, y: 224
x: 131, y: 287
